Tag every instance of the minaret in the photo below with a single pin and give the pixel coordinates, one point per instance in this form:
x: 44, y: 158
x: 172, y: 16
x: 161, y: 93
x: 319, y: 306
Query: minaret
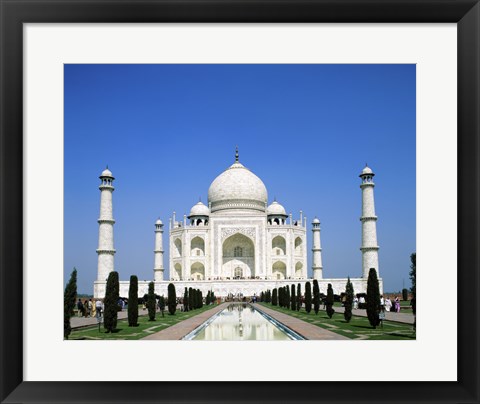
x: 105, y: 249
x: 369, y: 224
x: 158, y: 270
x: 317, y: 250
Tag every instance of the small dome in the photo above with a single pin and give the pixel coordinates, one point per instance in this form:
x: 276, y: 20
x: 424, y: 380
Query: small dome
x: 367, y: 170
x: 106, y: 173
x: 315, y: 221
x: 199, y: 210
x: 158, y: 222
x: 276, y: 209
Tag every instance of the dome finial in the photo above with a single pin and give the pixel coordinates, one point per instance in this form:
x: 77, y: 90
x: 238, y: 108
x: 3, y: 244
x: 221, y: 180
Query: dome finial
x: 199, y: 199
x: 236, y: 153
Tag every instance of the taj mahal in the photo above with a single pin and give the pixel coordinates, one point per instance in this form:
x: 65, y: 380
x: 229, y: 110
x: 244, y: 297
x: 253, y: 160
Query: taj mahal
x: 237, y: 243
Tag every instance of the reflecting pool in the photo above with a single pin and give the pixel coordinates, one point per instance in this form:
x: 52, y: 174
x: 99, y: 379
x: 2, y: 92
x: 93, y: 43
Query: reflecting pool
x: 241, y: 322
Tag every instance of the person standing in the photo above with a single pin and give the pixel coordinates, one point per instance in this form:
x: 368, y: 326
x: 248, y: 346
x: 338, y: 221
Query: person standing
x: 90, y: 308
x: 381, y: 315
x: 99, y: 308
x: 80, y: 308
x: 397, y: 304
x: 388, y: 304
x: 94, y: 308
x: 85, y: 308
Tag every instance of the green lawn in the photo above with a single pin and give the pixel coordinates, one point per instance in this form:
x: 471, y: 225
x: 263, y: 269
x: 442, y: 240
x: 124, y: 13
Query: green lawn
x: 358, y: 328
x: 145, y: 327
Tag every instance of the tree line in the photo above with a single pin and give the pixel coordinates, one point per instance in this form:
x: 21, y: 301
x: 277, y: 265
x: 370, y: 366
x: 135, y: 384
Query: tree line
x: 290, y: 298
x: 192, y: 300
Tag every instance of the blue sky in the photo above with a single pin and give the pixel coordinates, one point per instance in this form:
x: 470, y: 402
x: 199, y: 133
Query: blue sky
x: 166, y: 132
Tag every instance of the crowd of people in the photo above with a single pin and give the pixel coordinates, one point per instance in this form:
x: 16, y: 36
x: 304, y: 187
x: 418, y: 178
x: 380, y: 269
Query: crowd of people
x: 89, y: 308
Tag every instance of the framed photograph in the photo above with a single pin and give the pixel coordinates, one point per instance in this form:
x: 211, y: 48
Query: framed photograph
x: 62, y: 61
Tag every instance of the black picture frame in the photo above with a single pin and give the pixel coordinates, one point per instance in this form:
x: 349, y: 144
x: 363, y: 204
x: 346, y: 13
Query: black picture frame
x: 465, y: 13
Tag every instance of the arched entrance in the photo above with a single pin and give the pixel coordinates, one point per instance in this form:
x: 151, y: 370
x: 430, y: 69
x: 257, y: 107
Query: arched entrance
x: 279, y: 270
x: 299, y: 270
x: 177, y: 272
x: 197, y: 247
x: 197, y: 271
x: 279, y: 246
x: 238, y: 257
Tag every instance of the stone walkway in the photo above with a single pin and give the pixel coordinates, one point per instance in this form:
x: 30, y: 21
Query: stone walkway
x: 179, y: 330
x: 307, y: 330
x: 406, y: 318
x: 78, y: 322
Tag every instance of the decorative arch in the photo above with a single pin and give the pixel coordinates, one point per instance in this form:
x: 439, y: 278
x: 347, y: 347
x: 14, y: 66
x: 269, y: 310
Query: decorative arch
x: 177, y: 271
x: 279, y: 245
x: 197, y: 271
x: 279, y: 270
x: 177, y: 247
x: 197, y: 246
x: 238, y: 273
x: 298, y: 246
x: 238, y: 251
x: 298, y: 270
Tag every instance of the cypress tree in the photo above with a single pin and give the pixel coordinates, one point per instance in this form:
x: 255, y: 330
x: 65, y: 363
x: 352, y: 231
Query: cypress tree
x: 207, y: 299
x: 316, y: 296
x: 191, y: 302
x: 329, y: 301
x: 111, y: 302
x: 299, y: 297
x: 293, y: 300
x: 413, y: 274
x: 200, y: 299
x: 69, y: 297
x: 151, y: 302
x: 280, y: 297
x: 373, y: 298
x: 212, y: 297
x: 196, y: 298
x: 161, y: 303
x: 133, y: 302
x: 349, y: 294
x: 172, y: 299
x: 308, y: 297
x: 287, y: 297
x: 274, y: 297
x: 185, y: 300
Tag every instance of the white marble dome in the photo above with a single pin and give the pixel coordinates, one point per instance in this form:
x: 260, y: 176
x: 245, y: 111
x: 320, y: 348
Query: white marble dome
x: 199, y: 210
x: 106, y: 173
x: 276, y: 209
x: 315, y: 221
x: 158, y: 222
x: 367, y: 170
x: 237, y: 188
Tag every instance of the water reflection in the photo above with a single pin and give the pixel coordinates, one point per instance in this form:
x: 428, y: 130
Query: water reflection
x: 241, y: 323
